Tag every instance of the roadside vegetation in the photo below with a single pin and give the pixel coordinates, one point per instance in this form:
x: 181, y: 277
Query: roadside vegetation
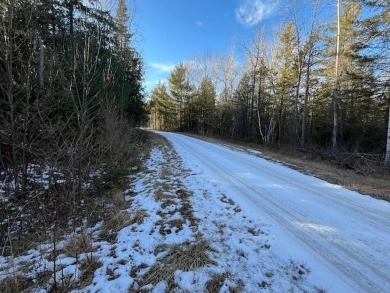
x: 72, y: 100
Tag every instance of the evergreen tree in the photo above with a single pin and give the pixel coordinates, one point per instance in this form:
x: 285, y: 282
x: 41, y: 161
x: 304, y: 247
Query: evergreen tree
x: 180, y: 91
x: 286, y: 84
x: 122, y: 35
x: 162, y: 109
x: 205, y: 106
x: 355, y: 79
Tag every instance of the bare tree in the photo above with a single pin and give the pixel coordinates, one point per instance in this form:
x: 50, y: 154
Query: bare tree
x: 309, y: 52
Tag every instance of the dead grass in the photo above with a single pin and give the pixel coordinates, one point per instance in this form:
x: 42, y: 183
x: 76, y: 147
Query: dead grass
x: 376, y: 184
x: 186, y: 208
x: 139, y: 217
x: 14, y: 284
x: 78, y: 244
x: 20, y: 244
x: 184, y: 257
x: 217, y: 281
x: 65, y: 284
x: 114, y: 221
x: 88, y: 267
x: 159, y: 195
x: 44, y: 277
x: 117, y: 199
x: 168, y: 202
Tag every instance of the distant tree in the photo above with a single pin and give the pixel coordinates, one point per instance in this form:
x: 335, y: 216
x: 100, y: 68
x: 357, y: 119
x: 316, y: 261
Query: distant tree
x: 162, y: 109
x: 241, y: 105
x: 286, y: 82
x: 205, y: 106
x: 180, y: 90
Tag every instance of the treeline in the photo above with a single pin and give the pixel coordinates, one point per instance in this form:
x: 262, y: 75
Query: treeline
x: 70, y: 86
x: 299, y: 89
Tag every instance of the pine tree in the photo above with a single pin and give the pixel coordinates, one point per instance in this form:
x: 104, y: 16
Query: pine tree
x: 162, y: 109
x: 205, y: 106
x: 122, y: 35
x: 286, y: 83
x: 180, y: 90
x: 351, y: 84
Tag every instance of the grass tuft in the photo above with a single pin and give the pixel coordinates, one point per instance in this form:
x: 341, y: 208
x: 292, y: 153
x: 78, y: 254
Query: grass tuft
x: 115, y: 221
x: 139, y: 217
x: 184, y: 257
x: 88, y: 267
x: 217, y: 281
x: 79, y: 244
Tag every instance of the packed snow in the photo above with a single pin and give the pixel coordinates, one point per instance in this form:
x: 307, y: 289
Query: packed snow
x: 342, y: 236
x: 206, y: 218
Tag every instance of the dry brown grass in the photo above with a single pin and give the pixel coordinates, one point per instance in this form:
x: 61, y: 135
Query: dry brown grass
x: 184, y: 257
x: 117, y: 199
x: 114, y: 221
x: 186, y: 208
x: 88, y: 267
x: 159, y: 195
x: 139, y: 217
x: 78, y: 244
x: 216, y: 282
x: 168, y: 202
x: 375, y: 183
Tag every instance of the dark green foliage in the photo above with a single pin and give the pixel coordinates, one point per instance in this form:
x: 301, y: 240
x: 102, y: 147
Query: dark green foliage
x: 63, y: 66
x: 114, y: 176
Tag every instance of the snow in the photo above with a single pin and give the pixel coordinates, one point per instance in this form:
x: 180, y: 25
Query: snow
x: 255, y: 152
x: 267, y: 228
x: 331, y: 229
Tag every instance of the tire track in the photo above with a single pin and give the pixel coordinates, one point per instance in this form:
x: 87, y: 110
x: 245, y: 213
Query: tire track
x: 358, y: 266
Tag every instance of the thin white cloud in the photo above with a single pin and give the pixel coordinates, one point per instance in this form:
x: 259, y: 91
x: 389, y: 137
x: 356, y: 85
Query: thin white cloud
x: 251, y: 12
x: 199, y: 23
x: 162, y: 67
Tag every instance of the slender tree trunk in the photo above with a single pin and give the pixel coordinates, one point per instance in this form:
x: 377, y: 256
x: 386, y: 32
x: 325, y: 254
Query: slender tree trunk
x: 296, y: 99
x: 335, y: 95
x: 387, y: 160
x: 304, y: 117
x: 10, y: 93
x: 41, y: 60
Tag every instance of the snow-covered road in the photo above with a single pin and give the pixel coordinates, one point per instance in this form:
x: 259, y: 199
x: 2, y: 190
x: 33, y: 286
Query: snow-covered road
x: 344, y: 237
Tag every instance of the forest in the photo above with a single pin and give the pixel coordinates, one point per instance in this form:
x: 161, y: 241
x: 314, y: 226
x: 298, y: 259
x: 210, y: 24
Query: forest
x: 71, y: 90
x: 315, y: 85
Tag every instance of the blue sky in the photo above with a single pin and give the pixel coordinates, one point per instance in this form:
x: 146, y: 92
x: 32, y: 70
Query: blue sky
x: 175, y: 30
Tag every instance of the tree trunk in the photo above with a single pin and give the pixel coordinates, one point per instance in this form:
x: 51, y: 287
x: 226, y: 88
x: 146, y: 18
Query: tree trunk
x: 41, y: 60
x: 304, y: 118
x: 335, y: 95
x: 10, y: 94
x: 387, y: 160
x: 296, y: 101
